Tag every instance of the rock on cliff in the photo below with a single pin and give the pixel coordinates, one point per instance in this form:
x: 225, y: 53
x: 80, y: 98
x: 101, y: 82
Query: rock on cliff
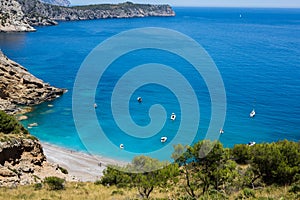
x: 22, y: 162
x: 12, y: 17
x: 57, y: 2
x: 19, y: 87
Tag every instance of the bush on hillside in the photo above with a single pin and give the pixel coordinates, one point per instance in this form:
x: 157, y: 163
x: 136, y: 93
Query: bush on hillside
x: 9, y: 125
x: 54, y: 183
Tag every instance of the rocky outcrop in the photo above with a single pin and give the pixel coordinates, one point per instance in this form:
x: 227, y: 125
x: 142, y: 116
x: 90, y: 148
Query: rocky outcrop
x: 12, y: 17
x: 19, y: 87
x: 57, y: 2
x: 35, y: 13
x: 22, y: 161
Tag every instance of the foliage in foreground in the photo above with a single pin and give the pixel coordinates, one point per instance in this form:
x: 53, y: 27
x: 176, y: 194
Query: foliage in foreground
x: 207, y: 170
x: 144, y: 173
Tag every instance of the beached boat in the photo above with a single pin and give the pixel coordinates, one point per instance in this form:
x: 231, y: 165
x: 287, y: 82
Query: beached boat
x: 252, y: 114
x: 163, y: 139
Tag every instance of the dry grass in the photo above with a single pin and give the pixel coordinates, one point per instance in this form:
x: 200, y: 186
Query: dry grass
x: 90, y: 191
x: 270, y: 193
x: 73, y: 191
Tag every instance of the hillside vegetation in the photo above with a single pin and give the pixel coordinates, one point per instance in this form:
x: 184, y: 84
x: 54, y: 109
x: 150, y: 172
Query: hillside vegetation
x: 263, y: 171
x: 207, y: 170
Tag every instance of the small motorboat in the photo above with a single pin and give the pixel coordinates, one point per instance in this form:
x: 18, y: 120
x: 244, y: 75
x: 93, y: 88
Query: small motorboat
x: 121, y: 146
x: 252, y: 114
x: 163, y: 139
x: 95, y: 105
x: 251, y: 143
x: 139, y: 99
x: 173, y: 116
x: 221, y: 131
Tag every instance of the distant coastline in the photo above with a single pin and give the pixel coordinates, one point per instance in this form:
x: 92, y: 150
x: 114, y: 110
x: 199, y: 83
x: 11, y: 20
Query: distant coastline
x: 22, y: 16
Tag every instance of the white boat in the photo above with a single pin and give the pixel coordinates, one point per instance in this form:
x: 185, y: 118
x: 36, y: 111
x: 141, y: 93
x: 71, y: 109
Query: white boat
x: 121, y: 146
x: 173, y: 116
x: 139, y: 99
x: 252, y: 114
x: 221, y: 131
x: 163, y: 139
x: 251, y: 143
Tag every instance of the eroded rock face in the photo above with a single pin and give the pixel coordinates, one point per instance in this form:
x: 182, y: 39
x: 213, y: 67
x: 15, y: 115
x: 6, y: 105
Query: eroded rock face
x: 12, y: 18
x: 22, y: 162
x: 19, y: 87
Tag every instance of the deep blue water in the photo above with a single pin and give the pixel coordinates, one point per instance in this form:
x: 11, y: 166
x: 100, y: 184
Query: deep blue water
x: 257, y: 52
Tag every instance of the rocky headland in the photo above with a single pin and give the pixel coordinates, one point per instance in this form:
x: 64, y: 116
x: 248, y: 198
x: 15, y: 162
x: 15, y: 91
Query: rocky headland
x: 22, y: 15
x: 22, y: 160
x: 20, y: 88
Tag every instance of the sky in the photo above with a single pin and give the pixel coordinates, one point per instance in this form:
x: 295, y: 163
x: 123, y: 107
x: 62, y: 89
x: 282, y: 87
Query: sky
x: 205, y: 3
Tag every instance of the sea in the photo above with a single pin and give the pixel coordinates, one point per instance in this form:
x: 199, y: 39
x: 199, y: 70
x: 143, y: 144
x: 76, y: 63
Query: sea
x: 256, y: 52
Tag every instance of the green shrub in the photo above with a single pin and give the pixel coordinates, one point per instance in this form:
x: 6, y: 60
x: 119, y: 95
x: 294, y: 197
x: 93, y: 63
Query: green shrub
x: 54, y: 183
x: 295, y: 189
x: 8, y: 124
x: 115, y: 192
x: 37, y: 186
x: 98, y: 182
x: 63, y: 170
x: 246, y: 193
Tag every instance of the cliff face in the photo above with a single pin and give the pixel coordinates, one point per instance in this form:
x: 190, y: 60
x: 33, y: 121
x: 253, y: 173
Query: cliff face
x: 22, y: 161
x: 57, y: 2
x: 12, y: 17
x: 35, y: 13
x: 33, y: 9
x: 19, y: 87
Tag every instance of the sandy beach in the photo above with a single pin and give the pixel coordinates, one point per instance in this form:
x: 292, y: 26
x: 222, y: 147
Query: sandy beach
x: 81, y: 166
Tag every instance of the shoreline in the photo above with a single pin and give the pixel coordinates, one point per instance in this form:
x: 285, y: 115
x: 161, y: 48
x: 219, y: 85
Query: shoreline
x: 81, y: 166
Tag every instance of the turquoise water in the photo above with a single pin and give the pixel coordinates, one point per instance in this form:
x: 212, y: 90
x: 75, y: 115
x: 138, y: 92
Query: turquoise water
x: 257, y: 52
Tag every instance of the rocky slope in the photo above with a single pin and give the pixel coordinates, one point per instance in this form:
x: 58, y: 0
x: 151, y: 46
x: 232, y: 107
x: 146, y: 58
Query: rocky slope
x: 23, y: 162
x: 35, y: 13
x: 57, y: 2
x: 19, y: 87
x: 12, y: 17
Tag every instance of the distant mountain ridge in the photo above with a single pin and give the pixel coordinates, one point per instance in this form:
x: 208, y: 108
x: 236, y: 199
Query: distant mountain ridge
x: 57, y: 2
x: 21, y: 15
